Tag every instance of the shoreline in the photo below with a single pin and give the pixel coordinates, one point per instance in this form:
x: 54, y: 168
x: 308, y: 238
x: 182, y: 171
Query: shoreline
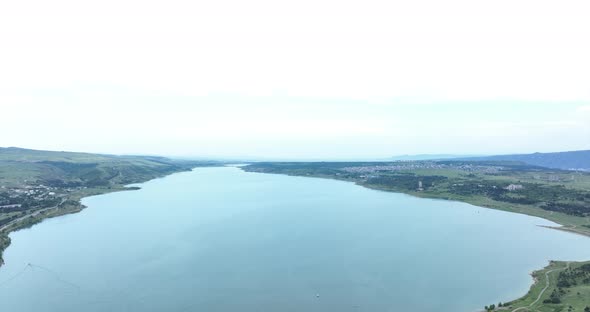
x: 39, y: 216
x: 514, y: 208
x: 533, y: 274
x: 566, y: 229
x: 95, y: 192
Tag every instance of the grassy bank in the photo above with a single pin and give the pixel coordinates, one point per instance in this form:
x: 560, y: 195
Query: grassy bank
x: 561, y: 286
x: 556, y: 195
x: 567, y: 222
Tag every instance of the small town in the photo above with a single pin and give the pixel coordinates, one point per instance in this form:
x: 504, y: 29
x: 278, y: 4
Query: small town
x: 403, y: 166
x: 18, y: 201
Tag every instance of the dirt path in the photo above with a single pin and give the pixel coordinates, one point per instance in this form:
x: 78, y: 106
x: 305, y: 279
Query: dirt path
x: 547, y: 283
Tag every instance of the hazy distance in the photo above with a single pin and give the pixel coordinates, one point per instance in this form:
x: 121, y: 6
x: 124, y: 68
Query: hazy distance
x: 310, y: 80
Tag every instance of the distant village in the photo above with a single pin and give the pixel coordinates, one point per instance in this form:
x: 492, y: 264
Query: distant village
x: 30, y: 196
x: 368, y: 171
x: 403, y: 166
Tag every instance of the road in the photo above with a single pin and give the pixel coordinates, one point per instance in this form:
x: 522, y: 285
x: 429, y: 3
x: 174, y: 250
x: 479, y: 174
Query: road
x: 32, y: 214
x: 547, y: 283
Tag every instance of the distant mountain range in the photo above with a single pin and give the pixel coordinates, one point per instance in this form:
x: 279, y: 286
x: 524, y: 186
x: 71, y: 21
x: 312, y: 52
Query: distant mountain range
x: 575, y: 160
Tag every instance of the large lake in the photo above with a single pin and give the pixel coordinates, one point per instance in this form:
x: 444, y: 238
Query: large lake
x: 220, y: 239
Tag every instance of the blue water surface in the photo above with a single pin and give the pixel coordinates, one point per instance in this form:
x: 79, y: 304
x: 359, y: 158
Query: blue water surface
x: 220, y: 239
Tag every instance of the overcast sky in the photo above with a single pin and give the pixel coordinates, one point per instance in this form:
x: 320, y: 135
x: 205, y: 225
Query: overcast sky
x: 299, y: 79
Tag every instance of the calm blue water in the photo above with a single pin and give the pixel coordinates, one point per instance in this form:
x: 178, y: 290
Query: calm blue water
x: 219, y: 239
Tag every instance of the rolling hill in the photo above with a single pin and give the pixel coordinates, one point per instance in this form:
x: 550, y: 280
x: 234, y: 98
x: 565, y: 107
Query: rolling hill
x: 574, y: 160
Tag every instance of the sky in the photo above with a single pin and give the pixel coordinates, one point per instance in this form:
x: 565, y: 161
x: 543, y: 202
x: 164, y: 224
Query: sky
x: 301, y: 79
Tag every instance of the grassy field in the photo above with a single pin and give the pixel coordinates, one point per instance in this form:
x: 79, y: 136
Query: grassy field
x: 35, y: 185
x: 571, y: 298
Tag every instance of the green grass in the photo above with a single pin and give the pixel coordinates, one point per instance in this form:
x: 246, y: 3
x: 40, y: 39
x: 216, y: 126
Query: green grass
x: 22, y: 166
x: 578, y: 297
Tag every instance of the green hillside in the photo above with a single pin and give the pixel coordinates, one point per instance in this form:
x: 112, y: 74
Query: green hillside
x: 28, y: 167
